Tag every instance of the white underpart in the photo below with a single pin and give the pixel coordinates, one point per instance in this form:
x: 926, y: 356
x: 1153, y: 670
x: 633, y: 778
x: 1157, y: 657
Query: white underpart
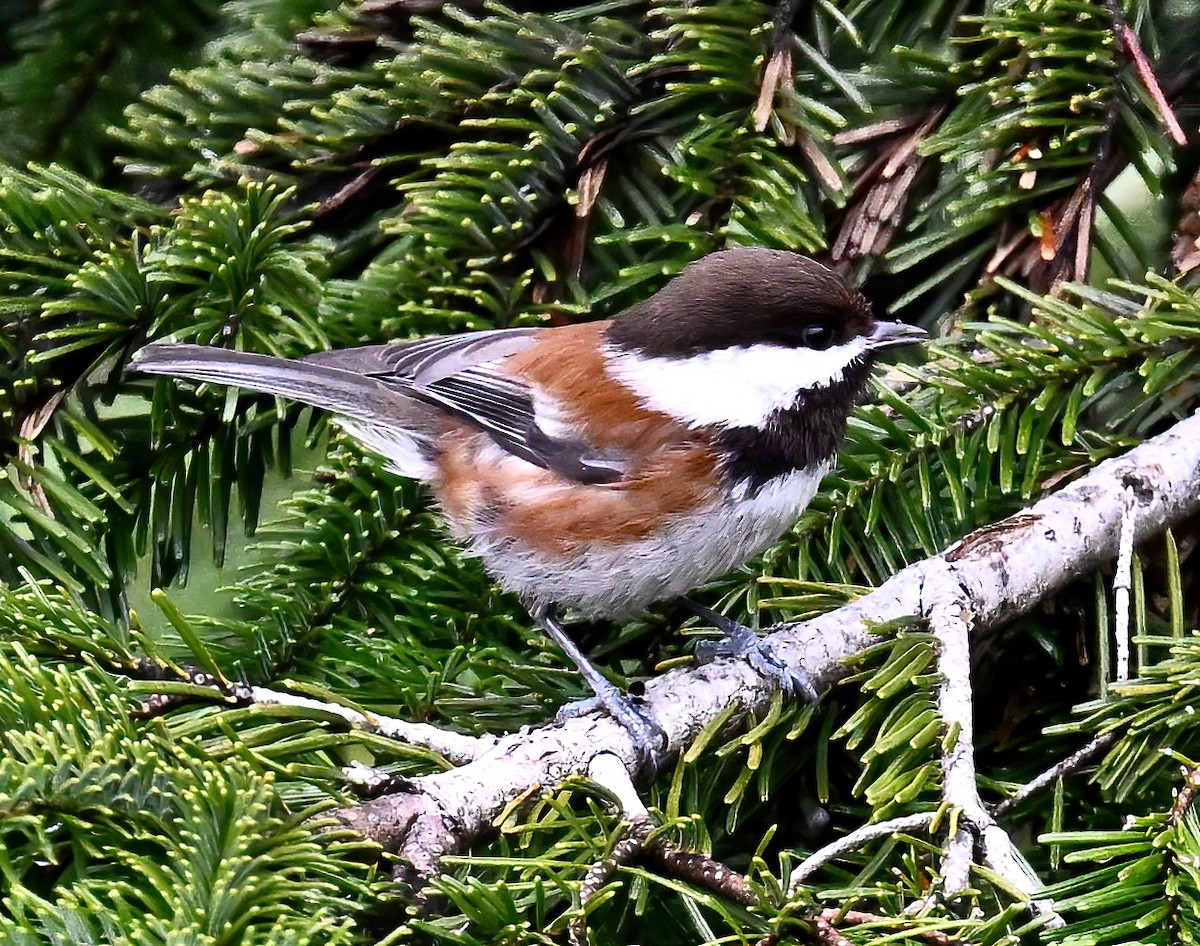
x: 405, y: 451
x: 731, y: 387
x: 620, y: 580
x: 549, y: 418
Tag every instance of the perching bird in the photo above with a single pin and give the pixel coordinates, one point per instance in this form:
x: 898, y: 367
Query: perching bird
x: 605, y: 466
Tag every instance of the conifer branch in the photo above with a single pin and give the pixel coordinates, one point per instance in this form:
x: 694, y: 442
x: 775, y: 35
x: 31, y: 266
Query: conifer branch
x: 457, y: 748
x: 1003, y: 571
x: 946, y: 603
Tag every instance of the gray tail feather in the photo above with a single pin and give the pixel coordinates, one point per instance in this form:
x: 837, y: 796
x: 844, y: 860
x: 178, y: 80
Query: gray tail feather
x: 342, y: 392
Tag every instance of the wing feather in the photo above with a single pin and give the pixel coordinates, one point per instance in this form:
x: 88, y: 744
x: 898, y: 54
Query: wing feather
x: 461, y: 375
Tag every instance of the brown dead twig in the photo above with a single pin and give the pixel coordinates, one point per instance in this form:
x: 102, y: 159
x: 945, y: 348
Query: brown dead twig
x: 640, y: 845
x: 883, y: 189
x: 1186, y: 797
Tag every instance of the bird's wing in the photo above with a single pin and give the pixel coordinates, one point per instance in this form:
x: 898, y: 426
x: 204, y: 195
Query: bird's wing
x: 460, y: 375
x: 463, y: 376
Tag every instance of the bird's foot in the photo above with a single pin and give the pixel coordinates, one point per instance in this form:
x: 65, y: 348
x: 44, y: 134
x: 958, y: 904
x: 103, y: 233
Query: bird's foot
x: 577, y: 708
x: 649, y: 740
x: 741, y: 641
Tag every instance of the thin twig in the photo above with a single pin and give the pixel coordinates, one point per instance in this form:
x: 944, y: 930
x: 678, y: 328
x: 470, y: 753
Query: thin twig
x: 1001, y: 855
x: 828, y: 933
x: 854, y: 841
x: 1055, y: 772
x: 947, y: 606
x: 623, y: 852
x: 1145, y: 71
x: 701, y: 870
x: 457, y: 748
x: 609, y: 772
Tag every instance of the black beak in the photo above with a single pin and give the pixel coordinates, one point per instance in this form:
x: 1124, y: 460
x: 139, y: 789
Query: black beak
x: 894, y: 334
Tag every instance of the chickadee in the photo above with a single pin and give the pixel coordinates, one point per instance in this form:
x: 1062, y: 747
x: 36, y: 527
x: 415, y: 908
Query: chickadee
x: 608, y: 465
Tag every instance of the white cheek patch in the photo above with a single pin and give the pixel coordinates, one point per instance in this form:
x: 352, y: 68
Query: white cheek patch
x: 731, y: 387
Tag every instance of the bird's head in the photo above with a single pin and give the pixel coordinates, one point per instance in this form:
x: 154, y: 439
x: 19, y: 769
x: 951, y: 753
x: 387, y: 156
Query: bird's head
x: 748, y: 331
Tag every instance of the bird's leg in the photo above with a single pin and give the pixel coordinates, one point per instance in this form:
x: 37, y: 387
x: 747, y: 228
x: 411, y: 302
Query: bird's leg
x: 742, y: 641
x: 648, y: 738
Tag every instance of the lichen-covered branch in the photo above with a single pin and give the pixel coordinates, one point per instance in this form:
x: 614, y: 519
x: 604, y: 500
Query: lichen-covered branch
x: 1002, y: 570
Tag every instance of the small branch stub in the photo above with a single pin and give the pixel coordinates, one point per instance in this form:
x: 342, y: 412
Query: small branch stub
x: 1123, y: 582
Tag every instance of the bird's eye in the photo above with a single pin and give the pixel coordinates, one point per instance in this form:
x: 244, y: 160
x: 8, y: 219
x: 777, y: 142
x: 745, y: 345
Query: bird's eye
x: 817, y: 336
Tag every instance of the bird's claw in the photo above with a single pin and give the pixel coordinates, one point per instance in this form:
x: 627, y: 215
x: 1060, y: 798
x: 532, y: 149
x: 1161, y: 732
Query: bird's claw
x: 741, y: 641
x: 648, y: 738
x: 577, y: 708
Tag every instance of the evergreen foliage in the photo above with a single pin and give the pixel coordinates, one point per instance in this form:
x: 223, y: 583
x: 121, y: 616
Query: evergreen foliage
x: 290, y: 175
